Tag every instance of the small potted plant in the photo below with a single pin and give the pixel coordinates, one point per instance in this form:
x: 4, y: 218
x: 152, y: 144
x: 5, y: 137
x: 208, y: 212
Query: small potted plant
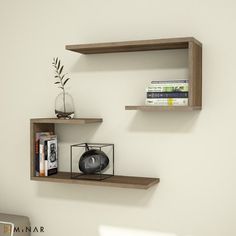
x: 64, y: 106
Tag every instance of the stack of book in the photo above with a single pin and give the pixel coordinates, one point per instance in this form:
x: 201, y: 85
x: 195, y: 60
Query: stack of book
x: 45, y: 154
x: 167, y: 93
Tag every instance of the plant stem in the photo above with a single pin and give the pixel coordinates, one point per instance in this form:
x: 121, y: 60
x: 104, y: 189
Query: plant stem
x: 64, y: 100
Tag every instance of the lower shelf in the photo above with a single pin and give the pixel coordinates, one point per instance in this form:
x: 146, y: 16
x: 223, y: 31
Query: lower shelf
x: 114, y: 181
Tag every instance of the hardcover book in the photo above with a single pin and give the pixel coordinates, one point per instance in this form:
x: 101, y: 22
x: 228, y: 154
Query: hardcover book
x: 52, y: 163
x: 43, y: 153
x: 37, y: 161
x: 167, y: 101
x: 167, y: 94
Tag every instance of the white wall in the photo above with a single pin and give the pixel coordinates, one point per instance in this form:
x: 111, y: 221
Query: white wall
x: 192, y: 152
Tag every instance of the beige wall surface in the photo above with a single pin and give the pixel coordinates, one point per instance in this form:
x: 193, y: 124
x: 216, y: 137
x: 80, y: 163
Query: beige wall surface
x: 192, y: 152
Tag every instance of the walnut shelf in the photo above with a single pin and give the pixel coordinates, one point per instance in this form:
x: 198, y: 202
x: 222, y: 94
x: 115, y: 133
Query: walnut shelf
x: 75, y: 121
x: 163, y: 108
x: 194, y: 63
x: 48, y: 125
x: 133, y: 46
x: 114, y: 181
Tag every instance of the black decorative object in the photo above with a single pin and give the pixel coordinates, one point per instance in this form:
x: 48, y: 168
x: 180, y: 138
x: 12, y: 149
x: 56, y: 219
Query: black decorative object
x: 92, y: 161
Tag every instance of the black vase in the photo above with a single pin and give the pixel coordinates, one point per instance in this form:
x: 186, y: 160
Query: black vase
x: 93, y: 161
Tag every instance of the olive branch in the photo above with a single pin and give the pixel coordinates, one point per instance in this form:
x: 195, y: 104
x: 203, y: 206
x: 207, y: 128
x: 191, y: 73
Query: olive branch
x: 62, y: 79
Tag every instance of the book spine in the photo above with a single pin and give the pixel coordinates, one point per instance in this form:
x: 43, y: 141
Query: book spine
x: 37, y: 151
x: 46, y: 158
x: 167, y: 94
x: 37, y: 161
x: 52, y: 157
x: 169, y: 81
x: 41, y: 158
x: 167, y: 101
x: 168, y: 88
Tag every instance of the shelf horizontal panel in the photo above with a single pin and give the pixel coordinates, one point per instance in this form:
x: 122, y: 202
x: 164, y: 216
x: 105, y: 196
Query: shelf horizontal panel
x: 114, y: 181
x: 76, y: 121
x: 163, y: 108
x: 133, y: 46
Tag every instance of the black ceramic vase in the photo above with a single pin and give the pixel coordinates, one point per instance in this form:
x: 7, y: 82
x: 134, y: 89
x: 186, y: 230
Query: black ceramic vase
x: 93, y: 161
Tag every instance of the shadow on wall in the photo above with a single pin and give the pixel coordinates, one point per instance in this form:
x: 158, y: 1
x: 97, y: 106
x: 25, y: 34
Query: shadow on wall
x: 166, y: 59
x: 165, y: 121
x: 97, y: 194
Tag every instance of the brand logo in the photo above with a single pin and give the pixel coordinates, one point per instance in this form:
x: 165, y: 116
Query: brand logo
x: 7, y: 229
x: 30, y: 229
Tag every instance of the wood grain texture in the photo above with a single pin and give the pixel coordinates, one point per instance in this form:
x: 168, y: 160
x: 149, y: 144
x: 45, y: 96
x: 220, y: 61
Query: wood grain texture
x: 163, y: 108
x: 133, y: 46
x: 114, y: 181
x: 34, y: 128
x: 75, y: 121
x: 48, y: 125
x: 195, y: 74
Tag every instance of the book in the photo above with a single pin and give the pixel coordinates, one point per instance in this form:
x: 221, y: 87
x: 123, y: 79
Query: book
x: 52, y: 163
x: 183, y: 81
x: 42, y: 144
x: 167, y: 95
x: 37, y: 161
x: 167, y: 101
x: 45, y: 157
x: 169, y: 88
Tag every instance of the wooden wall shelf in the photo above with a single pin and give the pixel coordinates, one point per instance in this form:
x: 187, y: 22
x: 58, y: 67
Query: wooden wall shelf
x: 48, y: 125
x: 133, y: 46
x: 162, y: 108
x: 75, y: 121
x: 114, y: 181
x: 194, y: 63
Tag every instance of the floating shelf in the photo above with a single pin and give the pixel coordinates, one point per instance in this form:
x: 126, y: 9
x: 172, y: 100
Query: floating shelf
x: 163, y: 108
x: 133, y: 46
x: 75, y: 121
x: 194, y: 63
x: 48, y: 125
x: 114, y: 181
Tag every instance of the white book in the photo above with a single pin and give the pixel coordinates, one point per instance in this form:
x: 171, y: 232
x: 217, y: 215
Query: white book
x: 182, y: 81
x: 167, y: 101
x: 42, y: 143
x: 52, y: 160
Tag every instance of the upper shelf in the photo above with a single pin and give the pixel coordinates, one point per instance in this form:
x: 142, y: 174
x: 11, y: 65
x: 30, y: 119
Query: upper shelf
x: 133, y: 46
x: 75, y: 121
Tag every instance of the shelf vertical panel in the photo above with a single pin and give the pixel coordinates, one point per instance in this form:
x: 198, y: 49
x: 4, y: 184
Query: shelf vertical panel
x: 195, y: 74
x: 34, y: 128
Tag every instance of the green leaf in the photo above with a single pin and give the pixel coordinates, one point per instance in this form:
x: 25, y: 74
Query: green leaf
x: 56, y: 60
x: 64, y: 75
x: 61, y: 69
x: 57, y: 82
x: 58, y: 66
x: 56, y: 76
x: 65, y: 81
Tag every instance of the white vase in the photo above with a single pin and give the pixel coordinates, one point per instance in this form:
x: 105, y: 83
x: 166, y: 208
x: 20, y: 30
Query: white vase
x: 64, y: 106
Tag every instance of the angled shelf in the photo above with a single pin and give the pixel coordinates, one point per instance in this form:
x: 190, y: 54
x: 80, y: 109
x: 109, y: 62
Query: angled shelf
x: 48, y: 125
x: 194, y: 63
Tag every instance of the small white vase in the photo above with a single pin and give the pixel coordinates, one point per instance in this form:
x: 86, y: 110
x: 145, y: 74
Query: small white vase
x: 64, y: 106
